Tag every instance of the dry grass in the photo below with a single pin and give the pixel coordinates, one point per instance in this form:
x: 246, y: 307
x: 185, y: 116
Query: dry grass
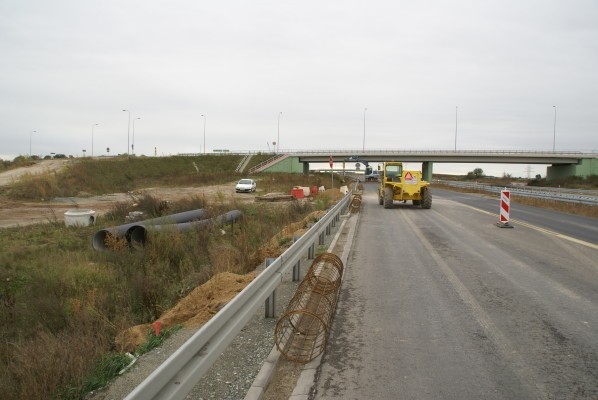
x: 62, y: 304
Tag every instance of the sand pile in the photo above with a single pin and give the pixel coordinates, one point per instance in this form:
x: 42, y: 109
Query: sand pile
x: 193, y: 310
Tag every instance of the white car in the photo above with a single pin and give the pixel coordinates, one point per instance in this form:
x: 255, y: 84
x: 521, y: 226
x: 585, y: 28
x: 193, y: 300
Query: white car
x: 245, y: 185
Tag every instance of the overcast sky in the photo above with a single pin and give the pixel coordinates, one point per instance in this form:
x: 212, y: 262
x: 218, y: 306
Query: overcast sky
x: 67, y: 65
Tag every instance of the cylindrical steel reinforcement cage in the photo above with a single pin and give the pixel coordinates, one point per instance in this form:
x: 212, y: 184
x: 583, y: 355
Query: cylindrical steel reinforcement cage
x: 356, y: 202
x: 301, y: 334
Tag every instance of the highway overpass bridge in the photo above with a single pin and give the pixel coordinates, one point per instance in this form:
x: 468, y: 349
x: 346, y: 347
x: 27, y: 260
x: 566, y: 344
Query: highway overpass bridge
x: 562, y: 164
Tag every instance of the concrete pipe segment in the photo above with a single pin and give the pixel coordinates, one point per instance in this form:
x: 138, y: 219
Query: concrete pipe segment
x: 301, y: 334
x: 101, y: 237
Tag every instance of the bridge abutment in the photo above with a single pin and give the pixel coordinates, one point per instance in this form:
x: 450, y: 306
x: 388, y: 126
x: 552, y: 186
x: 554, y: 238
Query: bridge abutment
x: 585, y: 168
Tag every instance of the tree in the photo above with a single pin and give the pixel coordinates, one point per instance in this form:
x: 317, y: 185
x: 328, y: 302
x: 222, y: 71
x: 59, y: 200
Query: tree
x: 476, y: 173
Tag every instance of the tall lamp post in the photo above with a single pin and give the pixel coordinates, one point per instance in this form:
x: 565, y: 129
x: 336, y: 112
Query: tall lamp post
x: 30, y: 133
x: 133, y: 140
x: 278, y: 136
x: 93, y: 126
x: 554, y: 131
x: 456, y: 115
x: 128, y: 131
x: 204, y: 132
x: 363, y: 145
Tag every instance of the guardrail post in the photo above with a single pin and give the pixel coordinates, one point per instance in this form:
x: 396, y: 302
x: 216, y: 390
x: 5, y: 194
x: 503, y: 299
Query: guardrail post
x: 311, y: 252
x: 321, y: 239
x: 328, y: 229
x: 270, y: 303
x: 297, y: 271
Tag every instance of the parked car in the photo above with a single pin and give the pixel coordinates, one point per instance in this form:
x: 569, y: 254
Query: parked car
x: 245, y: 185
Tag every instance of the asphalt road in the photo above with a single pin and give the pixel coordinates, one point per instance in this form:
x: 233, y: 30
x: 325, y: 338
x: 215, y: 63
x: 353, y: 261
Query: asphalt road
x: 574, y: 226
x: 443, y: 304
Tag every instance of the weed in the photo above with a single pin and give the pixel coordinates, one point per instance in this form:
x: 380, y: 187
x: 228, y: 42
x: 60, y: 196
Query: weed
x: 154, y: 341
x: 105, y: 369
x: 283, y: 241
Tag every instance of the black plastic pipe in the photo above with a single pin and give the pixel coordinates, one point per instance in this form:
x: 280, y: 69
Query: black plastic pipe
x: 138, y: 234
x: 100, y: 237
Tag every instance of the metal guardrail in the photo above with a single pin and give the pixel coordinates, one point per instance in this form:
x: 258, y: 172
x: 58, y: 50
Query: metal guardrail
x: 589, y: 197
x: 182, y: 370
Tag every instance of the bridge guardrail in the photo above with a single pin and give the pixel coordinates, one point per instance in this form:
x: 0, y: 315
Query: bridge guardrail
x: 183, y: 369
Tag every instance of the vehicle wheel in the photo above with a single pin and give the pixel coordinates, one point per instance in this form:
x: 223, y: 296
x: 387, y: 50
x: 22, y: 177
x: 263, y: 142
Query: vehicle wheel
x: 417, y: 202
x: 388, y: 193
x: 427, y: 199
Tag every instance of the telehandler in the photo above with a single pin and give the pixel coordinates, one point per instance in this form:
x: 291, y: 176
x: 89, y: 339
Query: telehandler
x: 402, y: 185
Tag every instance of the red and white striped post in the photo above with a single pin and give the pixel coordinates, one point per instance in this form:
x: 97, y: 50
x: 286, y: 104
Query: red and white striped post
x: 505, y: 209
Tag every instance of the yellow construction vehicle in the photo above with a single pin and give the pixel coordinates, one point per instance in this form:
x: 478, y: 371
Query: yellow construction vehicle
x: 402, y: 185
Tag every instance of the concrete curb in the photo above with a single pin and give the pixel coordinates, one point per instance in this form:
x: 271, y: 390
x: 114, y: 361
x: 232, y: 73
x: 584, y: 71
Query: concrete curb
x: 263, y: 378
x: 308, y: 375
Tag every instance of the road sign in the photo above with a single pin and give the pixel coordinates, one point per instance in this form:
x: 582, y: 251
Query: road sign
x: 410, y: 179
x: 505, y: 209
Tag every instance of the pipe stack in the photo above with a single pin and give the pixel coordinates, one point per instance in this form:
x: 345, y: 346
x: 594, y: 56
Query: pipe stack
x: 136, y: 233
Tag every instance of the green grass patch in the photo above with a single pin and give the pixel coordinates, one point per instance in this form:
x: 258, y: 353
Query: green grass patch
x: 154, y: 341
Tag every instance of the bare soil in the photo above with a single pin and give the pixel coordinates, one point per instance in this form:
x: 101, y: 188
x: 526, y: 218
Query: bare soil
x: 20, y: 213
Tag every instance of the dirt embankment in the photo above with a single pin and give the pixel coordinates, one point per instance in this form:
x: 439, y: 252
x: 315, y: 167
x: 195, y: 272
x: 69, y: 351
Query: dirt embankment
x: 13, y: 175
x: 14, y: 213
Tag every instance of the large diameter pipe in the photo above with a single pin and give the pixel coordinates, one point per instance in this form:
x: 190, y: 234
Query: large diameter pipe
x: 139, y: 234
x: 100, y: 237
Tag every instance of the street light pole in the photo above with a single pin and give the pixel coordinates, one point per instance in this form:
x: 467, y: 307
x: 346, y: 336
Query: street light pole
x: 133, y: 140
x: 363, y: 145
x: 204, y: 132
x: 93, y: 126
x: 456, y: 115
x: 278, y: 137
x: 554, y: 131
x: 128, y: 131
x: 30, y: 133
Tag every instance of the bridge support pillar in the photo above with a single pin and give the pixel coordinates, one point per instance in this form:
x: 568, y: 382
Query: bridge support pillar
x: 305, y: 168
x: 427, y: 171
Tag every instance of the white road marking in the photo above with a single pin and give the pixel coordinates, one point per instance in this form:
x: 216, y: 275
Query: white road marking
x: 537, y: 228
